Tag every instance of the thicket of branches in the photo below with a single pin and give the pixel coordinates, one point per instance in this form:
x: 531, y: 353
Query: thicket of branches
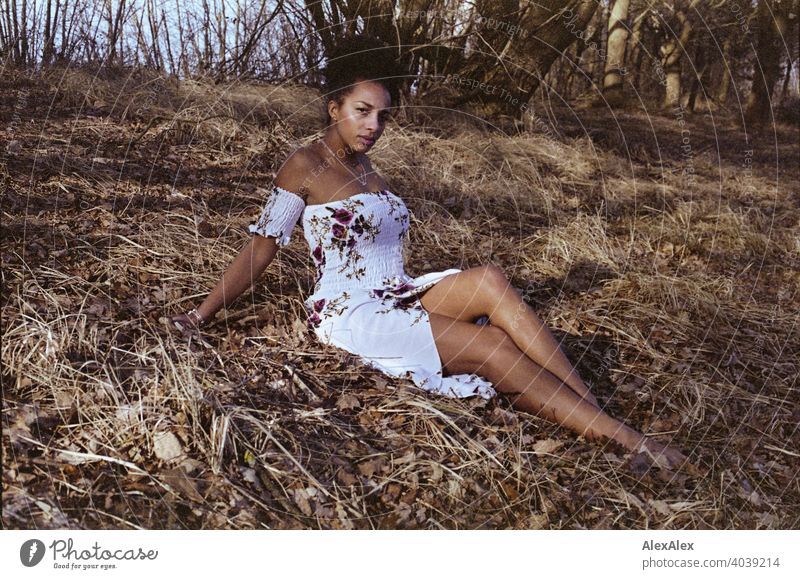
x: 670, y: 52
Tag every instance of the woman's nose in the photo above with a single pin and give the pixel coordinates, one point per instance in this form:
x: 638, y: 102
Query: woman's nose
x: 372, y: 122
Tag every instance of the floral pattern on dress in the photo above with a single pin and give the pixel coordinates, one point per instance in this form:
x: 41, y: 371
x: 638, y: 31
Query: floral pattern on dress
x: 320, y: 309
x: 391, y: 296
x: 399, y: 212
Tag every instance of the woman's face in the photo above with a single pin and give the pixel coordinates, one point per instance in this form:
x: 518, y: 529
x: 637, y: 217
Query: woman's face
x: 362, y: 116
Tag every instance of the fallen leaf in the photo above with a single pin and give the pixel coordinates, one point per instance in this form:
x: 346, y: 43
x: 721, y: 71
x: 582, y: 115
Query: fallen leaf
x: 538, y: 521
x: 370, y: 467
x: 511, y: 492
x: 343, y: 518
x: 346, y: 477
x: 409, y: 456
x: 301, y: 500
x: 455, y: 489
x: 502, y: 417
x: 546, y: 446
x: 347, y: 402
x: 391, y: 493
x: 632, y: 499
x: 661, y: 507
x: 167, y: 446
x: 409, y: 496
x: 180, y: 482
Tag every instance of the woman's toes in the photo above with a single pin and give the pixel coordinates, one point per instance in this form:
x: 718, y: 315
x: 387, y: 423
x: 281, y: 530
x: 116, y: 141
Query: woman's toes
x: 663, y: 456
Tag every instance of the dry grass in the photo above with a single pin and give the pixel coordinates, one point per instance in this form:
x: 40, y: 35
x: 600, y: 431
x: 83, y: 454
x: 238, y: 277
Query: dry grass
x: 128, y: 197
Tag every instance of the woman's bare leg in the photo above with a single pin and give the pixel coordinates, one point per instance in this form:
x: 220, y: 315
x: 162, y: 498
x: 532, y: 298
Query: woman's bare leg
x: 488, y: 351
x: 486, y: 291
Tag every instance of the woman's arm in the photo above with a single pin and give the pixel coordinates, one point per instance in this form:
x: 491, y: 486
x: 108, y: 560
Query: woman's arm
x: 256, y: 255
x: 240, y: 275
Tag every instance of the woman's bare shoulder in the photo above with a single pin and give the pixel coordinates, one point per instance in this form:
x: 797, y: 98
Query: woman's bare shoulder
x: 295, y: 172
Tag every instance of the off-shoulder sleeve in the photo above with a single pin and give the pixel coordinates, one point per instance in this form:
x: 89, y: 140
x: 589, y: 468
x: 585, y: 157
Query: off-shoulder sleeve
x: 282, y: 210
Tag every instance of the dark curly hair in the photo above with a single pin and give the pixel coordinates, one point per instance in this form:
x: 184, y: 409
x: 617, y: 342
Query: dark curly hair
x: 355, y: 58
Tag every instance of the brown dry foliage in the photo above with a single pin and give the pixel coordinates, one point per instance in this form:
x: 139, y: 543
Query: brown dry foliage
x: 125, y: 197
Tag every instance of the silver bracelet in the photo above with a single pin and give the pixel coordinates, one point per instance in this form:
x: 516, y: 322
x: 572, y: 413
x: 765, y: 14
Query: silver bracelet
x: 199, y: 321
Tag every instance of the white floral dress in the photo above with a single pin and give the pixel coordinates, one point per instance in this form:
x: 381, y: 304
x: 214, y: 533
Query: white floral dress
x: 363, y: 301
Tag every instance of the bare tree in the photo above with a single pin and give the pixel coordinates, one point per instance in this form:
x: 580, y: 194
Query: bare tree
x: 615, y: 54
x: 51, y: 23
x: 727, y: 71
x: 773, y: 22
x: 114, y: 22
x: 677, y: 37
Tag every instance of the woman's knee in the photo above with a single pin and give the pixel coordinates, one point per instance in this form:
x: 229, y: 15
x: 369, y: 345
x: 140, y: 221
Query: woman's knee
x: 499, y: 351
x: 465, y: 347
x: 491, y: 274
x: 491, y: 282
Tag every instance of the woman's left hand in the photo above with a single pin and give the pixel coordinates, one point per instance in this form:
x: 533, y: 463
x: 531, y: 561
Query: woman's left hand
x: 185, y: 324
x: 189, y: 325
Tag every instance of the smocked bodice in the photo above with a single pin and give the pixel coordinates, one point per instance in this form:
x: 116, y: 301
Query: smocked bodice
x: 358, y: 241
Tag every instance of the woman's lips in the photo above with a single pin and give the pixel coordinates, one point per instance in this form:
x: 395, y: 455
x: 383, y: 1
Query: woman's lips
x: 368, y: 142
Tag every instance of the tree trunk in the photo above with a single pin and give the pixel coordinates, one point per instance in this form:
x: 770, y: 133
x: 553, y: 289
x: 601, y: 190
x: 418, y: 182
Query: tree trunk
x: 636, y: 47
x: 615, y: 55
x: 510, y: 64
x: 154, y: 36
x: 315, y: 8
x: 553, y: 38
x: 792, y: 42
x: 138, y: 21
x: 24, y: 37
x: 594, y: 35
x: 699, y: 75
x: 786, y: 78
x: 236, y: 67
x: 114, y: 30
x: 208, y: 56
x: 772, y: 24
x: 5, y: 43
x: 173, y: 69
x: 112, y: 42
x: 68, y: 36
x: 671, y: 53
x: 222, y: 33
x: 727, y: 72
x: 672, y: 94
x: 48, y: 30
x: 13, y: 30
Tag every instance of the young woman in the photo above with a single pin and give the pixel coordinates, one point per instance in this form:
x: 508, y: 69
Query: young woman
x: 421, y: 328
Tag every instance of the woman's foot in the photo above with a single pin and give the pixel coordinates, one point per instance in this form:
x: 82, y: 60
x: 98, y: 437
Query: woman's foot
x: 663, y: 456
